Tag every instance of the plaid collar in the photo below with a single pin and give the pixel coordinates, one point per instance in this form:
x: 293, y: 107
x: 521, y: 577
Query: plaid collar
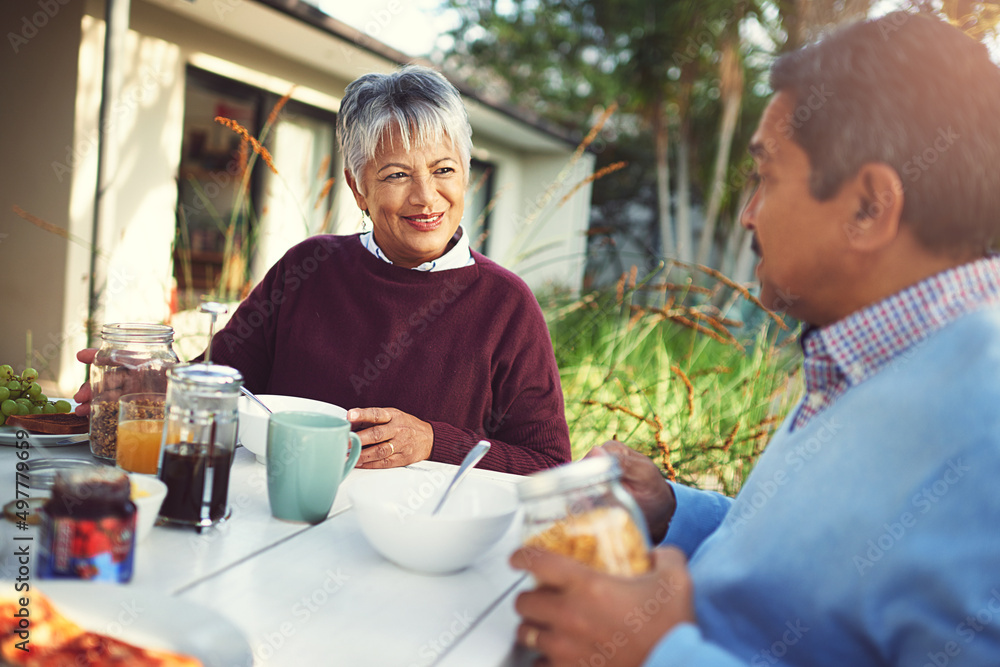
x: 853, y: 349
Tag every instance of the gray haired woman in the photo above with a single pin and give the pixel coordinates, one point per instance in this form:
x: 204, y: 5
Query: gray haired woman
x: 431, y: 345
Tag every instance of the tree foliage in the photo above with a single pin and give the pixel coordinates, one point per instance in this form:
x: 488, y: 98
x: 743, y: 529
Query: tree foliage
x: 674, y: 67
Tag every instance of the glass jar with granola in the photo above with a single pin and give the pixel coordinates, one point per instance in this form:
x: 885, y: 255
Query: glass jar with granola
x: 581, y: 510
x: 133, y: 358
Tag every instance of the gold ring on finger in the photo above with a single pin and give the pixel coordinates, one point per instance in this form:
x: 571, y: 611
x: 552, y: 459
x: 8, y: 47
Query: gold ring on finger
x: 531, y: 637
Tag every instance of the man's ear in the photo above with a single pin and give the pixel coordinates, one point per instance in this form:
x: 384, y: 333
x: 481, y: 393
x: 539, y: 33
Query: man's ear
x: 358, y: 197
x: 878, y: 195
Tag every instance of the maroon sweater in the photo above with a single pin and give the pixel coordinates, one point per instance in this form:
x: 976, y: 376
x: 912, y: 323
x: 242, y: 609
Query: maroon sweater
x: 466, y: 350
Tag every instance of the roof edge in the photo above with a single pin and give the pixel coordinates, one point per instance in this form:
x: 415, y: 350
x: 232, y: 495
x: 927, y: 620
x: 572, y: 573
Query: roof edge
x: 318, y: 19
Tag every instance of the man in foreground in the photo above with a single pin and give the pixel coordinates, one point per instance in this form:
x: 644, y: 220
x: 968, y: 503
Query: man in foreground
x: 869, y: 531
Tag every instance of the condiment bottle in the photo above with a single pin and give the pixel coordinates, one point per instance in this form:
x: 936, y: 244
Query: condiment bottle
x: 88, y: 526
x: 581, y: 510
x: 133, y: 358
x: 199, y: 437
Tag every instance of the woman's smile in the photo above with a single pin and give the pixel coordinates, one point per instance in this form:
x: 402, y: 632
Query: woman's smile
x: 425, y: 222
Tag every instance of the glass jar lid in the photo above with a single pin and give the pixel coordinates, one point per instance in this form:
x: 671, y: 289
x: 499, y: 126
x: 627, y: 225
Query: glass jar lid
x: 201, y: 377
x: 576, y: 475
x: 137, y: 332
x: 44, y: 471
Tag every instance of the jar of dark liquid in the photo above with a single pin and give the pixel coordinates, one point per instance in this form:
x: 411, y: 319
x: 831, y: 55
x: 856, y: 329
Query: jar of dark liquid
x: 198, y: 442
x: 88, y: 526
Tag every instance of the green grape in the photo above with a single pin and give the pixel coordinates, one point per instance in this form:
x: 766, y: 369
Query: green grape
x: 34, y: 391
x: 14, y: 386
x: 8, y: 407
x: 49, y: 408
x: 4, y: 393
x: 35, y: 410
x: 6, y: 372
x: 3, y: 418
x: 41, y: 398
x: 62, y: 406
x: 29, y: 374
x: 23, y: 409
x: 23, y: 401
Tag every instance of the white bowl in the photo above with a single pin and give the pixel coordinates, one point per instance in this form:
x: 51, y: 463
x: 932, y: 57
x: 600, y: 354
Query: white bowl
x: 394, y: 509
x: 253, y: 420
x: 148, y: 493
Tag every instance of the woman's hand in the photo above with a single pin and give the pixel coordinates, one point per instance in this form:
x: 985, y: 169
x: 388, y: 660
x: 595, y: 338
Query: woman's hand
x: 83, y: 395
x: 399, y: 438
x: 577, y: 614
x: 644, y: 480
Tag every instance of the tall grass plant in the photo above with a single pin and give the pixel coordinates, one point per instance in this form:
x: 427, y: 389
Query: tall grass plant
x: 680, y: 381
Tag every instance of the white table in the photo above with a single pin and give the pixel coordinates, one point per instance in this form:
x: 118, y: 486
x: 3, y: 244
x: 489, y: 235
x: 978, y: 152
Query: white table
x: 320, y: 595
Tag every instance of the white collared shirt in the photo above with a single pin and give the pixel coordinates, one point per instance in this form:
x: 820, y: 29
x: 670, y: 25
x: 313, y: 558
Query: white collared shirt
x: 456, y: 258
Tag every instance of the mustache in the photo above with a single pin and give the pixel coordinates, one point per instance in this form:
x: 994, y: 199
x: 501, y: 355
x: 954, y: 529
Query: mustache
x: 755, y: 245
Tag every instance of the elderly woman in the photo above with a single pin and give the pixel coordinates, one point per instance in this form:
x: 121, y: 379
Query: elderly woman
x: 431, y: 345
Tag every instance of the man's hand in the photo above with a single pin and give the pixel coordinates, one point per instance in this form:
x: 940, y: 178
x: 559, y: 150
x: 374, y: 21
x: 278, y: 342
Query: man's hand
x: 577, y: 613
x: 645, y: 482
x: 83, y: 395
x: 400, y: 438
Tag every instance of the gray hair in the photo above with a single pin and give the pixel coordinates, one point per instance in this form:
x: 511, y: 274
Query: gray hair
x: 913, y: 92
x: 423, y: 104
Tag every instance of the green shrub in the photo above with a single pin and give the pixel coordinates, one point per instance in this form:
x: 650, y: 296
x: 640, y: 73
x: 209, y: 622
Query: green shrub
x: 699, y: 393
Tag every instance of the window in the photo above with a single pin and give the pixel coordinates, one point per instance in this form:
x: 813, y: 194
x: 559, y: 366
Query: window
x: 478, y: 205
x: 230, y: 227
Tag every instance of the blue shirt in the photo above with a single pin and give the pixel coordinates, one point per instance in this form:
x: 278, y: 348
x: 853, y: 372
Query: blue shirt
x: 870, y: 533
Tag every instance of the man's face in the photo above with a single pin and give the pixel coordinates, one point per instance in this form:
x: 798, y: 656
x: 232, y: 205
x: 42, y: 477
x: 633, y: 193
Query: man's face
x: 801, y: 241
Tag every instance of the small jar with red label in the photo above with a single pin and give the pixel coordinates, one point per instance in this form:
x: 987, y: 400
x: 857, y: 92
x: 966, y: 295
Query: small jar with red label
x: 88, y: 526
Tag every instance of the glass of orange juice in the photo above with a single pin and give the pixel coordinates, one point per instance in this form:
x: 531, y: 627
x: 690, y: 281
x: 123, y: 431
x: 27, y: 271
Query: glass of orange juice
x: 140, y: 430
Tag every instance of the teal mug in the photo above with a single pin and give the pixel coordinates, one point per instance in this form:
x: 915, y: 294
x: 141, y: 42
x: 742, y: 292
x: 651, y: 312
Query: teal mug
x: 308, y: 455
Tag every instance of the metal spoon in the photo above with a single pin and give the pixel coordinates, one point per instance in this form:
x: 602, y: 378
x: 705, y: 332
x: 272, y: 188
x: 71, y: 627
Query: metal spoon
x: 214, y: 310
x: 249, y: 394
x: 468, y: 463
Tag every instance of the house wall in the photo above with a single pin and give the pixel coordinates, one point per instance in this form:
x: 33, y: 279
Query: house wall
x: 43, y: 273
x: 138, y: 208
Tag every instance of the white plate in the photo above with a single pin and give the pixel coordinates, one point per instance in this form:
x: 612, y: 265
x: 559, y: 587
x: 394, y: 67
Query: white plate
x: 8, y: 434
x: 150, y: 619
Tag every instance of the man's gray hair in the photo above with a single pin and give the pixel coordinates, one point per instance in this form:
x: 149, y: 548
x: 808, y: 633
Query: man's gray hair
x: 913, y: 92
x: 423, y: 104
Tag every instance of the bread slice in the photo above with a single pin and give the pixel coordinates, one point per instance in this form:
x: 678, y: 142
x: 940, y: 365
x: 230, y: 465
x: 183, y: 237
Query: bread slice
x: 55, y: 424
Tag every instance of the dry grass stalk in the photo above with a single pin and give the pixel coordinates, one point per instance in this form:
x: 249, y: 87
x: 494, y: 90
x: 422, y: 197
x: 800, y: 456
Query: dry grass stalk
x: 598, y: 126
x: 676, y: 287
x: 278, y: 106
x: 54, y: 229
x: 324, y: 192
x: 600, y: 173
x: 560, y: 178
x: 42, y: 224
x: 655, y: 423
x: 324, y: 167
x: 680, y: 319
x: 731, y: 437
x: 242, y: 157
x: 486, y: 211
x: 687, y: 385
x: 714, y: 370
x: 744, y: 292
x: 259, y: 149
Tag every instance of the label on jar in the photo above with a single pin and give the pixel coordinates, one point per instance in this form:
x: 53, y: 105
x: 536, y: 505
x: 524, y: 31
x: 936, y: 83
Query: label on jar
x: 99, y: 549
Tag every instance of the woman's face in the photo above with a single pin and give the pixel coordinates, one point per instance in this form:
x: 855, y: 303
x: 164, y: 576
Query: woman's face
x: 415, y: 198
